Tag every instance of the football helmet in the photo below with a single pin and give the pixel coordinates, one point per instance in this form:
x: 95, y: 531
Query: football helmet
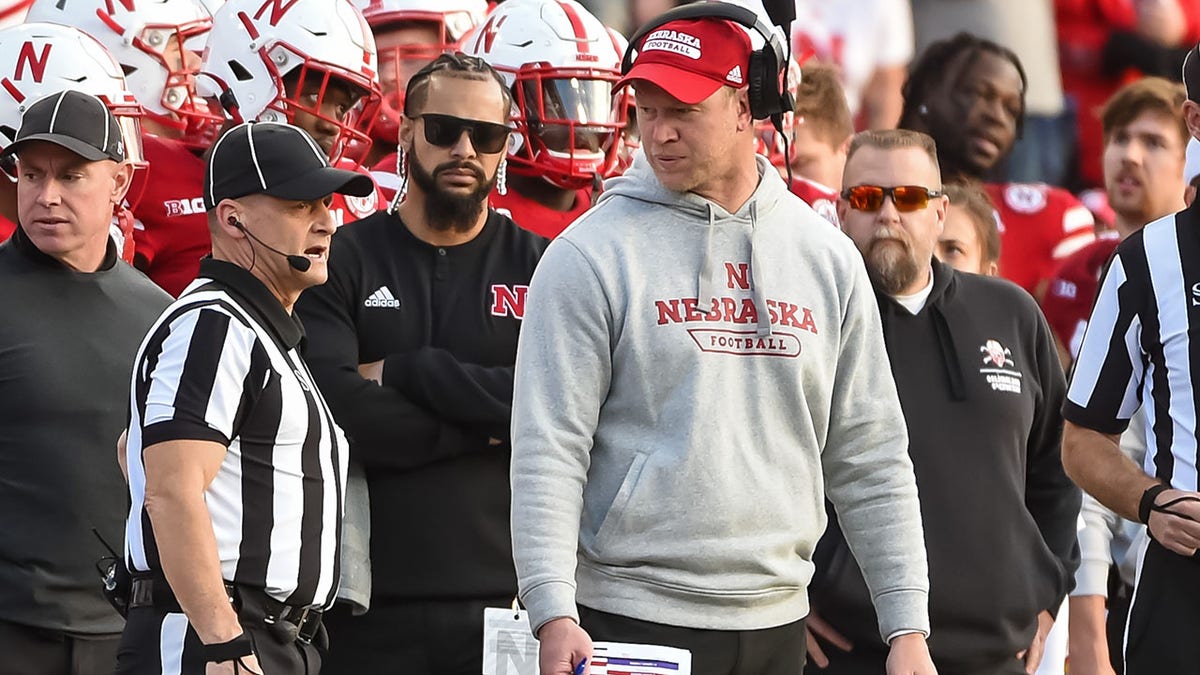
x: 316, y: 46
x: 157, y: 43
x: 560, y: 63
x: 448, y: 21
x: 50, y: 58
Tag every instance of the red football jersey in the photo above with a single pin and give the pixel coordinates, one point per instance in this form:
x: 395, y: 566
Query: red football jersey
x: 386, y: 177
x: 347, y: 209
x: 171, y: 231
x: 1072, y: 290
x: 822, y: 199
x: 537, y: 218
x: 1039, y: 226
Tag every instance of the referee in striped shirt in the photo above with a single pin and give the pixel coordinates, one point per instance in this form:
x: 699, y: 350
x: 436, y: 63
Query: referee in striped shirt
x: 1140, y: 349
x: 236, y: 467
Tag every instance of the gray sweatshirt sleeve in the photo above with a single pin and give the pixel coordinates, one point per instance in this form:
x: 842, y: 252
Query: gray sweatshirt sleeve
x: 868, y: 474
x: 564, y: 364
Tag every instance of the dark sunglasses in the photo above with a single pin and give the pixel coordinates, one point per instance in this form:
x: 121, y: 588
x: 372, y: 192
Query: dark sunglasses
x: 906, y: 197
x: 445, y: 130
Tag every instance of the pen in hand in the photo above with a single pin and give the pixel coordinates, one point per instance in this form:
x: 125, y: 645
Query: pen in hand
x: 579, y: 668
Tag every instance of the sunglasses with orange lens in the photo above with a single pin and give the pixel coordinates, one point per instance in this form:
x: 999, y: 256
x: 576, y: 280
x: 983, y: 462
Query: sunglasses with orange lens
x: 906, y: 197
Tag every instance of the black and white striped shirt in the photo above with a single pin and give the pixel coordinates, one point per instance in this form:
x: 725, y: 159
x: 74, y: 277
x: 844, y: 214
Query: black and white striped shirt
x: 221, y: 364
x: 1142, y: 347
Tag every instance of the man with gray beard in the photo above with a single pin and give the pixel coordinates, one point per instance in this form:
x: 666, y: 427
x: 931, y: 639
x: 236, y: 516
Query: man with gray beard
x: 981, y: 387
x: 413, y: 340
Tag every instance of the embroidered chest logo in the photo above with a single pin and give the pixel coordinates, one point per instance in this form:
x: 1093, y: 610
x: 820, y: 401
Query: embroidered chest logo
x: 509, y: 300
x: 740, y: 312
x: 382, y: 297
x: 999, y: 369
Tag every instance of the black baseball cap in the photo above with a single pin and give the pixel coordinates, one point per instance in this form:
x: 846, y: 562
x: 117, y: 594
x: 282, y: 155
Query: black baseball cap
x: 74, y: 120
x: 275, y: 159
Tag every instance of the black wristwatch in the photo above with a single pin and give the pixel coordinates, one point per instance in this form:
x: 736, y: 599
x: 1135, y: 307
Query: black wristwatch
x: 1147, y: 504
x: 231, y: 650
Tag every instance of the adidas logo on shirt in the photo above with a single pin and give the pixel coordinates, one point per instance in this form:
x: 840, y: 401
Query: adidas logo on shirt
x: 735, y: 75
x: 382, y: 297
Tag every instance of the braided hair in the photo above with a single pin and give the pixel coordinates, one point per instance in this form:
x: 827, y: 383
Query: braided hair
x: 456, y: 64
x: 928, y: 71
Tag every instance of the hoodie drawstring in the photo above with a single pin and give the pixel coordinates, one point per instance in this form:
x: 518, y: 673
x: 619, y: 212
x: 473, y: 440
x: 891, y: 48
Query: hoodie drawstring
x: 763, y: 329
x: 706, y: 288
x: 756, y: 279
x: 954, y: 371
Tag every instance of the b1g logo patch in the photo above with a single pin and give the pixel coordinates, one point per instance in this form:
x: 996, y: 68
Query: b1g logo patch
x: 999, y: 369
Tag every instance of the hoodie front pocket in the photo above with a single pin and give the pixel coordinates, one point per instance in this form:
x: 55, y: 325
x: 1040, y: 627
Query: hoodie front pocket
x: 612, y: 519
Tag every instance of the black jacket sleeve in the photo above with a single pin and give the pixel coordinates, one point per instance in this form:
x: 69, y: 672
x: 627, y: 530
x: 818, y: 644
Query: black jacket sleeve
x: 1052, y: 499
x: 386, y: 429
x: 477, y: 397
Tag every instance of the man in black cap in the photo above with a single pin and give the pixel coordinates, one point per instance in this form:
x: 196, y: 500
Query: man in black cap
x: 236, y: 466
x: 73, y: 317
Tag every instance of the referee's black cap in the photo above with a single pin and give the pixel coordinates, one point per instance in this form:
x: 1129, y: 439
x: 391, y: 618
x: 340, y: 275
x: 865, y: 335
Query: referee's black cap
x: 275, y: 159
x: 1191, y: 73
x: 73, y: 120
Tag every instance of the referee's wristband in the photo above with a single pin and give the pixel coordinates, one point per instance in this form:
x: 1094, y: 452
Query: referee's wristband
x: 1147, y: 504
x: 228, y: 651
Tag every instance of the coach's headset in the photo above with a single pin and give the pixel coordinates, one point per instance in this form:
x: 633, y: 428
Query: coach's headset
x: 769, y: 95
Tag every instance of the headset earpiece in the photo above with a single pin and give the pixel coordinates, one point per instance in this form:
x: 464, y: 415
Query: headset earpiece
x: 234, y: 222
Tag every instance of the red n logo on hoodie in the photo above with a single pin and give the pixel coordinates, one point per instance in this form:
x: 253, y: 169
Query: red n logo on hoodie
x: 737, y: 275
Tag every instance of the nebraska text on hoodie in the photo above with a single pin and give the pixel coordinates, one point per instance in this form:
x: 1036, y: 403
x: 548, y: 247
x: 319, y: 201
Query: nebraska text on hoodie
x: 690, y: 383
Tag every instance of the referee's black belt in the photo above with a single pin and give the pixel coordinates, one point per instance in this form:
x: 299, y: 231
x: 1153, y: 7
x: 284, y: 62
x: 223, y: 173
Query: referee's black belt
x: 287, y: 623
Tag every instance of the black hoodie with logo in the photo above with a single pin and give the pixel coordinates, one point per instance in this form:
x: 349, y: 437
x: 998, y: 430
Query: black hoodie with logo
x: 981, y: 387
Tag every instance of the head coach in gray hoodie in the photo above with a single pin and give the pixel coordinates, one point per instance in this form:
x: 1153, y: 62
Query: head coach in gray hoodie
x: 701, y: 364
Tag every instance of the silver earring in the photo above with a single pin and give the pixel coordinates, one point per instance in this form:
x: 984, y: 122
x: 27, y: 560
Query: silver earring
x: 402, y: 171
x: 502, y: 177
x: 922, y: 109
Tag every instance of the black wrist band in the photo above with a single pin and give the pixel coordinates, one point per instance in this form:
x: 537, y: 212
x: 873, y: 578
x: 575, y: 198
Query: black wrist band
x: 228, y: 651
x: 1147, y: 504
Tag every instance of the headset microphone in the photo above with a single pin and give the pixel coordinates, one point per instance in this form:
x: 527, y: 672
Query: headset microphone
x: 297, y: 262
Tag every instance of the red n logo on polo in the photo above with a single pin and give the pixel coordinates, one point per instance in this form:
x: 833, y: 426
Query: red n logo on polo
x: 112, y: 8
x: 278, y: 9
x: 35, y: 62
x: 509, y: 301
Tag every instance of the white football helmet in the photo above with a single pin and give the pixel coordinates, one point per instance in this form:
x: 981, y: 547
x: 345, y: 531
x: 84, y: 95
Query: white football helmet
x: 157, y: 43
x: 50, y: 58
x: 404, y: 55
x: 12, y: 12
x: 256, y: 44
x: 561, y: 64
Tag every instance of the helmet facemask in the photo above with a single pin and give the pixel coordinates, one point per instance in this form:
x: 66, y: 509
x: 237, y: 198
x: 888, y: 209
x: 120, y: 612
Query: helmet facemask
x: 568, y: 128
x: 174, y: 50
x: 328, y: 103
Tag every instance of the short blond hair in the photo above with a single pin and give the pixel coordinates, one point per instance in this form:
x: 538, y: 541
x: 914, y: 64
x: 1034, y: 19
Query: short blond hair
x: 894, y: 139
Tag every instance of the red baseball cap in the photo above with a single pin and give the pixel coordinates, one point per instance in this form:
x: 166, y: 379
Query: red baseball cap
x: 692, y: 59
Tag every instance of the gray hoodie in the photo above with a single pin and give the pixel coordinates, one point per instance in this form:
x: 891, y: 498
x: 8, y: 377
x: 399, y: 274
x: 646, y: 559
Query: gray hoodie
x: 690, y: 384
